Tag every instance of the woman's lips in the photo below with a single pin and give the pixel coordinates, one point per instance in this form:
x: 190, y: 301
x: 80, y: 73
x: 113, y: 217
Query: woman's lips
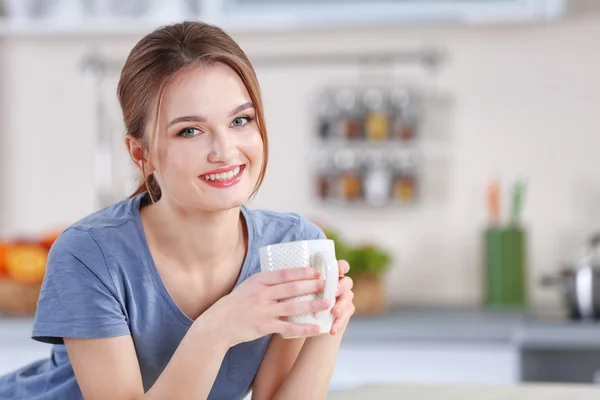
x: 224, y: 177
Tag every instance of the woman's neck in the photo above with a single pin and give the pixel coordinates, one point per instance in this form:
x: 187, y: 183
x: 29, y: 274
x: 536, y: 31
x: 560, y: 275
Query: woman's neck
x: 194, y: 239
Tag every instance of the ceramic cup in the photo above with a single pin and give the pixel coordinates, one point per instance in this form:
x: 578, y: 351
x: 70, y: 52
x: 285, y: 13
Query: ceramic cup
x: 319, y: 254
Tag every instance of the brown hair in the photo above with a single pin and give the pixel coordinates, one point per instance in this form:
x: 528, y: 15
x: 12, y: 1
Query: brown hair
x: 157, y: 58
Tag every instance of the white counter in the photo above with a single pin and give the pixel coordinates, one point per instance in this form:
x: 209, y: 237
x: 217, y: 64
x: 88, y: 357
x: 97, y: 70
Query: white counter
x: 470, y: 392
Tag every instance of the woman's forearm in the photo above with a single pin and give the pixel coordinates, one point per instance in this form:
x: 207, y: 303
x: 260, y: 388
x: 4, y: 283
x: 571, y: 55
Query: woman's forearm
x: 191, y: 372
x: 310, y: 376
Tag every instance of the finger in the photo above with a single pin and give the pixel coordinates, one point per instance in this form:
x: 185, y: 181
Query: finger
x: 289, y: 328
x: 291, y: 308
x: 344, y: 285
x: 342, y: 321
x: 288, y: 275
x: 342, y: 303
x: 297, y: 288
x: 343, y: 267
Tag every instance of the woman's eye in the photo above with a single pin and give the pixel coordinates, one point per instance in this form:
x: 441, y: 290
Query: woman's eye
x: 240, y: 121
x: 189, y: 132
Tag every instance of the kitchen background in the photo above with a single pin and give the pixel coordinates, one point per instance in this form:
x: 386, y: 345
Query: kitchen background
x: 504, y: 92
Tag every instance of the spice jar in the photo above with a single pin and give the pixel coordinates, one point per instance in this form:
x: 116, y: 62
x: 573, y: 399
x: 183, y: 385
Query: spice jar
x: 404, y: 188
x: 376, y: 117
x: 350, y: 177
x: 404, y: 184
x: 404, y: 115
x: 327, y: 114
x: 324, y: 176
x: 350, y: 115
x: 378, y: 180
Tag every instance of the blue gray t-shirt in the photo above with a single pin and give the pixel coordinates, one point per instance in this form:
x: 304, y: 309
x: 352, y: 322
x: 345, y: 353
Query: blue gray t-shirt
x: 101, y: 282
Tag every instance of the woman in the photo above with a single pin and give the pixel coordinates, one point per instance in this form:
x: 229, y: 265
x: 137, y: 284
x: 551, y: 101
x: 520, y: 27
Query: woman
x: 160, y: 296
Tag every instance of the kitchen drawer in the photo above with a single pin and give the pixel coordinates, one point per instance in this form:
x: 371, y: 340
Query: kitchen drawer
x: 561, y: 365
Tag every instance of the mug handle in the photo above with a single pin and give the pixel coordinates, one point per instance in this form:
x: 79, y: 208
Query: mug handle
x: 329, y: 272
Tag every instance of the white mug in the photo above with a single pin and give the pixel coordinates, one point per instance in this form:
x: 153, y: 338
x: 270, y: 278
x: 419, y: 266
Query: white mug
x: 319, y: 254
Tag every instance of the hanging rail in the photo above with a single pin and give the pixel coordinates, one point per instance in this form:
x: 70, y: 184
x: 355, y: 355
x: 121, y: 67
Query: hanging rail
x: 430, y: 57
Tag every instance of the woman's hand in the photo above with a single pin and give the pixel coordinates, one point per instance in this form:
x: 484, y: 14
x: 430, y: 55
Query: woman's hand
x: 344, y: 307
x: 255, y: 308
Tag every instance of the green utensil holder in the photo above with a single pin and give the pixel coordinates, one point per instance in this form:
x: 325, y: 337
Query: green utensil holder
x: 505, y: 268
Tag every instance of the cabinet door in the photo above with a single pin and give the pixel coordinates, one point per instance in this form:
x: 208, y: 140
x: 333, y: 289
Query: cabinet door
x: 425, y: 362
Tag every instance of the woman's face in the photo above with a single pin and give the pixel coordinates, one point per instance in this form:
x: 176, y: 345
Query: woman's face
x: 208, y: 151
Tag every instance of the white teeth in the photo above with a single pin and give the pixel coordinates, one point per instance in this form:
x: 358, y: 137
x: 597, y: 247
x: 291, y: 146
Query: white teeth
x: 223, y: 176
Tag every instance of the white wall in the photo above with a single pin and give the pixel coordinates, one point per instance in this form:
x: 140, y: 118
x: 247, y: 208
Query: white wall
x: 524, y: 100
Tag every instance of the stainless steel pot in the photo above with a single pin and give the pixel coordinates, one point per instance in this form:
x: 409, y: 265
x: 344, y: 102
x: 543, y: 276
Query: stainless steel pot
x: 580, y: 283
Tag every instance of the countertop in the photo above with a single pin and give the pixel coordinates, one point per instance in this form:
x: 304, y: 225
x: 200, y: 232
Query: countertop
x: 525, y: 329
x: 470, y: 392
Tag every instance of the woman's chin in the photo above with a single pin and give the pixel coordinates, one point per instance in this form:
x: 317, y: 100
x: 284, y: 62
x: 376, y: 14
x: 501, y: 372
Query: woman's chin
x: 227, y: 202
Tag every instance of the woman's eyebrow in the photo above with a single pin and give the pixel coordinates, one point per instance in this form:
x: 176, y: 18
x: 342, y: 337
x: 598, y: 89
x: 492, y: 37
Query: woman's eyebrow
x: 198, y: 118
x: 241, y: 108
x: 187, y: 118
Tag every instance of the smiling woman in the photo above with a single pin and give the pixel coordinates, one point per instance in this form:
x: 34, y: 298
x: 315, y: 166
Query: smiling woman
x: 160, y: 295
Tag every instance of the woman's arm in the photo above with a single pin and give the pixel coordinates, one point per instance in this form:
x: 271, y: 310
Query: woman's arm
x: 275, y: 366
x: 311, y: 374
x: 109, y: 369
x: 302, y: 368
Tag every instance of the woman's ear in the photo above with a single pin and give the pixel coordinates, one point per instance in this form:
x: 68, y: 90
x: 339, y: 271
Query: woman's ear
x: 138, y: 155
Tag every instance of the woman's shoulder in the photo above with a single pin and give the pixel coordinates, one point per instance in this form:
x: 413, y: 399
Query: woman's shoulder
x: 283, y: 225
x: 111, y: 223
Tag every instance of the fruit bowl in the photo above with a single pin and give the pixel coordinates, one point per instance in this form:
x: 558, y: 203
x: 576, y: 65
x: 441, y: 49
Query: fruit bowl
x: 18, y: 298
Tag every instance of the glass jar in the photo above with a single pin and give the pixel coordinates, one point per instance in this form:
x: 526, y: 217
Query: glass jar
x: 404, y: 115
x: 350, y: 120
x: 376, y: 116
x: 324, y: 176
x: 327, y: 114
x: 378, y: 181
x: 404, y: 186
x: 349, y: 178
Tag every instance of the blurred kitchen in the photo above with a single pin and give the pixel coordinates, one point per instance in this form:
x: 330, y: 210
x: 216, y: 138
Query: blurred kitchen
x: 449, y: 147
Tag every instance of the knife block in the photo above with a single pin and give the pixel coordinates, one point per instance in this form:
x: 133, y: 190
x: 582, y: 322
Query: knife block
x: 505, y: 267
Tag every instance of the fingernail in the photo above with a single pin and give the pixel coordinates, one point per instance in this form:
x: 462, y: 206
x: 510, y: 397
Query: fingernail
x: 316, y: 273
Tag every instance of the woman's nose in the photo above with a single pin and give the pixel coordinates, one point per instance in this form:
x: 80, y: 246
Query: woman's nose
x: 223, y: 148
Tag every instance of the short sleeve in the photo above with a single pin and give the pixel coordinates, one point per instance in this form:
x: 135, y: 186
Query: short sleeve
x: 78, y: 297
x: 310, y: 230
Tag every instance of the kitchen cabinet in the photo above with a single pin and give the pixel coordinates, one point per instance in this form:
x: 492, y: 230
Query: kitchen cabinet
x: 260, y: 15
x: 425, y: 362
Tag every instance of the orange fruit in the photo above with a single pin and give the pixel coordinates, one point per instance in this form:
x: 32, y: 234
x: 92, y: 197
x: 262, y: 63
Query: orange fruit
x: 26, y: 263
